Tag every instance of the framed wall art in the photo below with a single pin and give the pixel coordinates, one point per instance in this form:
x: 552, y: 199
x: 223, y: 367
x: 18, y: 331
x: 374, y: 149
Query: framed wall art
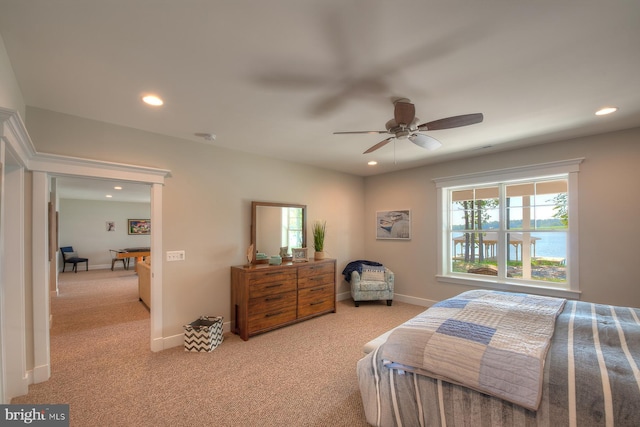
x: 395, y: 224
x: 299, y: 254
x: 139, y: 226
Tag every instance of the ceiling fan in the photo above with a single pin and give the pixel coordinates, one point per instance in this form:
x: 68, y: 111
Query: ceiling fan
x: 405, y: 125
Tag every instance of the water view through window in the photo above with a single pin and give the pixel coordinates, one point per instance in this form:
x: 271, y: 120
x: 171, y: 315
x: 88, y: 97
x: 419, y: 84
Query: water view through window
x: 515, y: 230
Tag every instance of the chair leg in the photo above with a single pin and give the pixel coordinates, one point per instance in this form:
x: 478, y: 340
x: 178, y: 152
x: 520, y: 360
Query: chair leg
x: 357, y: 303
x: 87, y: 265
x: 113, y: 261
x: 75, y: 267
x: 389, y: 301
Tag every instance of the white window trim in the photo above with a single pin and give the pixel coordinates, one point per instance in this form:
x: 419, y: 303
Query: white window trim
x: 570, y: 167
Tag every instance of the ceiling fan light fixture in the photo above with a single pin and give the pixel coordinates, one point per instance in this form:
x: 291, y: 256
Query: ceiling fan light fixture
x: 425, y: 141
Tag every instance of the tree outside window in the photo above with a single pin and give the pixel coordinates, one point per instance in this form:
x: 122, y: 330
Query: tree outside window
x: 511, y: 230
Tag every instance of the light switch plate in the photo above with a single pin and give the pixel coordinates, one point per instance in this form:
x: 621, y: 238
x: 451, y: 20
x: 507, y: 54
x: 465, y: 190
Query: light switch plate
x: 175, y: 255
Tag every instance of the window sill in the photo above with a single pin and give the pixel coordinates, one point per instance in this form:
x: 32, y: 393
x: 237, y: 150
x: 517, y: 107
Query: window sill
x: 510, y: 286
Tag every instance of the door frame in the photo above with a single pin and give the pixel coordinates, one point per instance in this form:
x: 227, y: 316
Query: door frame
x: 43, y: 167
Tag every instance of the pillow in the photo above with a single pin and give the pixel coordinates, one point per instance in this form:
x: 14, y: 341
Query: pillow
x: 372, y: 273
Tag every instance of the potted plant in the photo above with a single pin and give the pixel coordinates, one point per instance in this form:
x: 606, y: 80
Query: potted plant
x: 319, y: 228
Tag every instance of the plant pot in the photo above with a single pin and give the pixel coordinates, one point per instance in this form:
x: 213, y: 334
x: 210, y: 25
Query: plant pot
x: 319, y: 255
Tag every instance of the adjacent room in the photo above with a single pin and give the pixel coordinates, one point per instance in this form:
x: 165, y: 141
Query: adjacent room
x: 320, y: 212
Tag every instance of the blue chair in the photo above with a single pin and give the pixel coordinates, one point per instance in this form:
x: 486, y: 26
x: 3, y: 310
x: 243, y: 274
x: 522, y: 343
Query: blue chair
x: 71, y: 257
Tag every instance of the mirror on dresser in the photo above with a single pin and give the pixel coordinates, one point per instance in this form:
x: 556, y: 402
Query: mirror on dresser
x: 274, y: 225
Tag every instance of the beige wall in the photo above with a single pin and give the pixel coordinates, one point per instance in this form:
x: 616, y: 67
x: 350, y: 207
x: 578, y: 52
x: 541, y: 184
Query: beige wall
x: 10, y: 95
x: 207, y: 203
x: 83, y: 226
x: 608, y: 205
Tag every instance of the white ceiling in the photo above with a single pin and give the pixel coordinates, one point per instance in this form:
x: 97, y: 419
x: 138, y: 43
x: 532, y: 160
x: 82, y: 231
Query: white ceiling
x: 278, y: 77
x: 102, y: 189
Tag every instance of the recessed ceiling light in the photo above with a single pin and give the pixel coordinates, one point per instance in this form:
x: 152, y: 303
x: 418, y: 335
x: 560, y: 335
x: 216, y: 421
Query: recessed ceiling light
x: 605, y: 111
x: 372, y: 163
x: 117, y: 187
x: 152, y: 100
x: 108, y: 196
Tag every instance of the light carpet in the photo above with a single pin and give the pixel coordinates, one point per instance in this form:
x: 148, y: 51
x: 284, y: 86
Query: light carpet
x: 300, y: 375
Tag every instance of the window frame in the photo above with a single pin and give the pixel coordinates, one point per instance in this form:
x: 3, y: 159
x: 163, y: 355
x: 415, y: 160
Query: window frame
x: 570, y: 168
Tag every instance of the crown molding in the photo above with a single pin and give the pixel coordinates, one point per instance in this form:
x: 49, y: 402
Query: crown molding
x: 14, y: 133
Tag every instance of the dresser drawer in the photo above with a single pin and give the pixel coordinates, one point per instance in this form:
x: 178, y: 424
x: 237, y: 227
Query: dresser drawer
x: 261, y: 321
x: 316, y: 269
x: 269, y: 303
x: 270, y: 288
x: 315, y: 300
x: 320, y: 279
x: 267, y: 276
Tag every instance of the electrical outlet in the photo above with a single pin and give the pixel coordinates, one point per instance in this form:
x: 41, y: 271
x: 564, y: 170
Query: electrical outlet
x: 175, y: 255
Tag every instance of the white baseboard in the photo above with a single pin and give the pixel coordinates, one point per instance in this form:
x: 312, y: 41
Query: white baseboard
x: 396, y: 297
x: 40, y: 374
x: 423, y: 302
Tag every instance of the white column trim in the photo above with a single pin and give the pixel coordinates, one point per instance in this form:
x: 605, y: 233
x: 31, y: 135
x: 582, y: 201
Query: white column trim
x: 40, y: 277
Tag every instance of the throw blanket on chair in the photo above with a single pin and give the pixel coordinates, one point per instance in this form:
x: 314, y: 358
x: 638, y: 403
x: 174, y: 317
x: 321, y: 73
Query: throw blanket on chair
x: 490, y: 341
x: 357, y: 266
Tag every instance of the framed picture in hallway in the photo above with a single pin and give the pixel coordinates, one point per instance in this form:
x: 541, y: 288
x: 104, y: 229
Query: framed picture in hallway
x: 139, y: 226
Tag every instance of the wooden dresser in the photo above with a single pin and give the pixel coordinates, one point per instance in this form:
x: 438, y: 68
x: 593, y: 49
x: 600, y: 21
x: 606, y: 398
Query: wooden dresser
x: 266, y: 297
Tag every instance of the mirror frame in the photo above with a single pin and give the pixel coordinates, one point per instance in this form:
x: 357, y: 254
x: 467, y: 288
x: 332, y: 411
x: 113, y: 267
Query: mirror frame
x: 255, y: 205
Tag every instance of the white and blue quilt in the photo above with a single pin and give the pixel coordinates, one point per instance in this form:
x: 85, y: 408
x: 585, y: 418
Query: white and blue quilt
x: 490, y: 341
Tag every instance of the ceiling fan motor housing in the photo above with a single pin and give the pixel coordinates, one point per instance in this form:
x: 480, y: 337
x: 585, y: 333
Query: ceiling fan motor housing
x: 401, y: 131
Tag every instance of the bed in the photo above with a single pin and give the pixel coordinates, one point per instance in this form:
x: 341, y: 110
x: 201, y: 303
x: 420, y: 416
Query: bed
x: 494, y: 363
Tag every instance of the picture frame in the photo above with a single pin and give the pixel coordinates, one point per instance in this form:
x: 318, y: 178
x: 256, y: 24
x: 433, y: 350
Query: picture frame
x: 393, y: 224
x: 299, y: 254
x: 139, y: 227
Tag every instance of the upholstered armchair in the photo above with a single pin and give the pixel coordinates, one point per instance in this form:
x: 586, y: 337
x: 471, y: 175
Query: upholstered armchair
x: 372, y: 283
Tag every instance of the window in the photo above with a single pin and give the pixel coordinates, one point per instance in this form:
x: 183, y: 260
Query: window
x: 514, y: 229
x: 292, y: 227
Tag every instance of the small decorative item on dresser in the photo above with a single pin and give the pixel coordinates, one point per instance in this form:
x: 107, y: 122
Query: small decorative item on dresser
x: 250, y: 254
x: 275, y: 260
x: 299, y: 254
x: 319, y: 228
x: 204, y: 334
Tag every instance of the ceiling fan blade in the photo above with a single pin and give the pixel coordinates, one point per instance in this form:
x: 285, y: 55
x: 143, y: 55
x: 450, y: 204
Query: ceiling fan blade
x: 452, y: 122
x: 425, y: 141
x: 404, y: 112
x: 379, y: 145
x: 361, y: 131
